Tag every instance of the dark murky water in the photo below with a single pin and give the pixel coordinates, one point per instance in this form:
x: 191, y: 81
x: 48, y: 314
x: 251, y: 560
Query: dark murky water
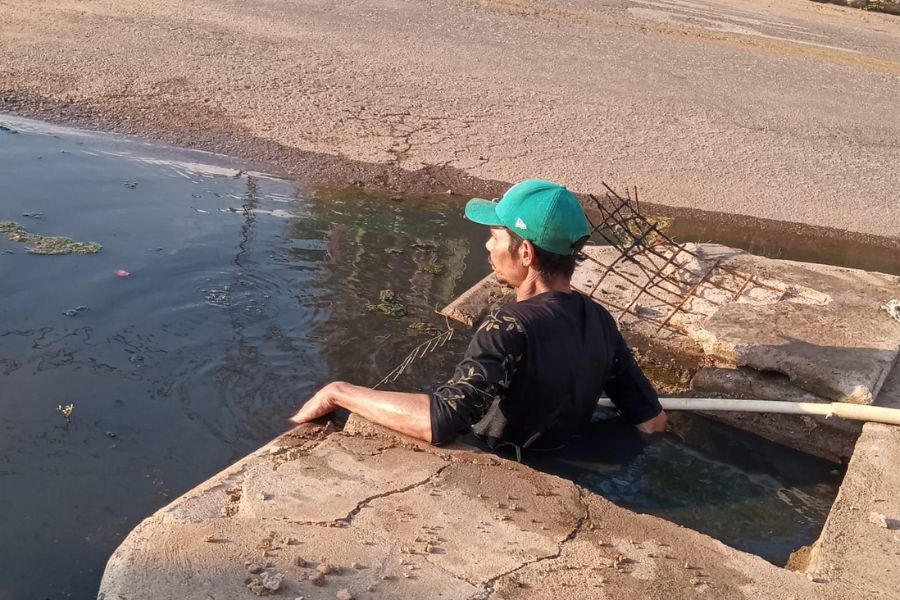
x: 246, y: 293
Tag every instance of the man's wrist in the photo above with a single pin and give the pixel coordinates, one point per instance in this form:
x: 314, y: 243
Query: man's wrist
x: 338, y: 393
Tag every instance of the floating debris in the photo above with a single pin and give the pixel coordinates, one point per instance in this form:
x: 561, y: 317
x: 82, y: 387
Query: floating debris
x: 66, y: 411
x: 389, y: 304
x: 420, y: 245
x: 130, y: 184
x: 33, y: 215
x: 218, y: 297
x: 73, y: 312
x: 434, y: 268
x: 122, y: 273
x: 41, y: 244
x: 428, y: 328
x: 426, y: 347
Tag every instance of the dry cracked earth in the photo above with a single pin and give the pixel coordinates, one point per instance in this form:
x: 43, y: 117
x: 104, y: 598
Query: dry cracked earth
x: 784, y: 110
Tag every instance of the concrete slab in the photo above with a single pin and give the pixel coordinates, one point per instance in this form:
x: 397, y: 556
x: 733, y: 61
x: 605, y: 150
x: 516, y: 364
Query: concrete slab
x: 452, y: 524
x: 860, y: 542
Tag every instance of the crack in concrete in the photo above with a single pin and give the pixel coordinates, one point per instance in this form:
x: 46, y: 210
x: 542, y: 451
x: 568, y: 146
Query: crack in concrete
x: 489, y: 584
x: 294, y: 445
x: 356, y: 452
x: 348, y: 519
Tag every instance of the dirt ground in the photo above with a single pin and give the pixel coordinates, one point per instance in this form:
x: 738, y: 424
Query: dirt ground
x: 784, y: 110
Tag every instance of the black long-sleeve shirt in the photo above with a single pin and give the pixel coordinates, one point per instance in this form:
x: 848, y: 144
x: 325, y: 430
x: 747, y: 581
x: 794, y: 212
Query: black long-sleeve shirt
x: 534, y: 370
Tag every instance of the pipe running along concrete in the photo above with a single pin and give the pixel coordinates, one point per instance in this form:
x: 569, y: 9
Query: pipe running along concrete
x: 855, y: 412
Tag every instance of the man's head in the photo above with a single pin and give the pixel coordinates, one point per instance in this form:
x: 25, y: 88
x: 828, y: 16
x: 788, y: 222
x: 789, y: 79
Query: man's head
x: 537, y: 226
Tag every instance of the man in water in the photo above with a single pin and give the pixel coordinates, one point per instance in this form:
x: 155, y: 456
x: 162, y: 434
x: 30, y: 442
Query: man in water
x: 535, y: 368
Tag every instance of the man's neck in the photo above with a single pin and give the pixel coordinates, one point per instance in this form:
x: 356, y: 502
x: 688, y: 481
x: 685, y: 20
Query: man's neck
x: 534, y: 285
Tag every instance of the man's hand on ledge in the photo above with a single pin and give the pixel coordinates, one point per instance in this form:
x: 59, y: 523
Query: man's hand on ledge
x: 403, y: 412
x: 321, y: 404
x: 653, y: 429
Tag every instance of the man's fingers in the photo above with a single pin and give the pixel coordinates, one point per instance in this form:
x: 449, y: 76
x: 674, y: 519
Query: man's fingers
x: 302, y: 415
x: 311, y: 411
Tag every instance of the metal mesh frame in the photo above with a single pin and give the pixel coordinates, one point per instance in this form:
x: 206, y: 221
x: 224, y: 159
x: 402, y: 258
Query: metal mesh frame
x: 670, y: 274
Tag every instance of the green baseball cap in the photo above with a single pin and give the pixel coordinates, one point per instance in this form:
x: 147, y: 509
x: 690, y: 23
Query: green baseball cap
x: 543, y: 212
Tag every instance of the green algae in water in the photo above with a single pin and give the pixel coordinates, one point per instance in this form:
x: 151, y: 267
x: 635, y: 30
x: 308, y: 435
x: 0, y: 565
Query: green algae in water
x: 434, y: 268
x: 428, y: 328
x: 44, y: 244
x: 389, y: 304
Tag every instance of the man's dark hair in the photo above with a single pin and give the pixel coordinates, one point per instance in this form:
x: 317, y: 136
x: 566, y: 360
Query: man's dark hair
x: 550, y: 264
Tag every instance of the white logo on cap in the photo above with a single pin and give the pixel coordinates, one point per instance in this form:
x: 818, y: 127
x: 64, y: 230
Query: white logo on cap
x: 520, y: 224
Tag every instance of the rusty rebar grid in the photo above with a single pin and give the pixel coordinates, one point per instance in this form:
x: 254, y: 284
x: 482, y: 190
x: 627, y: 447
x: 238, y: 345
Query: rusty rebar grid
x: 668, y: 273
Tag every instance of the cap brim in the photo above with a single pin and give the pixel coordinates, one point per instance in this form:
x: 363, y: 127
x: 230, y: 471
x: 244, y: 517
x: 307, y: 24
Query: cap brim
x: 483, y: 212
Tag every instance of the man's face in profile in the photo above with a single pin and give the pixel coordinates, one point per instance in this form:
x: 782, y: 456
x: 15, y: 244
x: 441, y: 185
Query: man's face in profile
x: 508, y: 266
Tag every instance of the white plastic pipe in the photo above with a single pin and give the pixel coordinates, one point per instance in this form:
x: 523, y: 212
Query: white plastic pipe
x: 855, y: 412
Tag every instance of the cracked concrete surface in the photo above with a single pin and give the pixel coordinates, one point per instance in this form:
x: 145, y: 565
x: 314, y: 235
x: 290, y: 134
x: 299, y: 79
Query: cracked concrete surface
x: 382, y: 516
x: 784, y: 110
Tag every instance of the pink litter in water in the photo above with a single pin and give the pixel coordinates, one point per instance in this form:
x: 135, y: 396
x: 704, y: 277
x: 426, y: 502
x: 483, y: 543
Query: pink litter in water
x: 122, y: 273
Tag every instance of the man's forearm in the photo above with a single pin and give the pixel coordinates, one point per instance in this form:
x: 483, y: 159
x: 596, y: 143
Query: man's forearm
x: 405, y: 412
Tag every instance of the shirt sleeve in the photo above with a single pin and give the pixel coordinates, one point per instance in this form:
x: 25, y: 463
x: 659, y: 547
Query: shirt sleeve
x: 629, y: 389
x: 485, y: 372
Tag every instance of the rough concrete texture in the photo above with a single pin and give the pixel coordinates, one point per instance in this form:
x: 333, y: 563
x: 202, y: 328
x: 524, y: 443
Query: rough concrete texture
x: 785, y: 110
x: 829, y: 335
x: 364, y: 513
x: 860, y: 543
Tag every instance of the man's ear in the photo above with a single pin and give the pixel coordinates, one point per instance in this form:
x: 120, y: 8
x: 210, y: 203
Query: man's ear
x: 526, y: 253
